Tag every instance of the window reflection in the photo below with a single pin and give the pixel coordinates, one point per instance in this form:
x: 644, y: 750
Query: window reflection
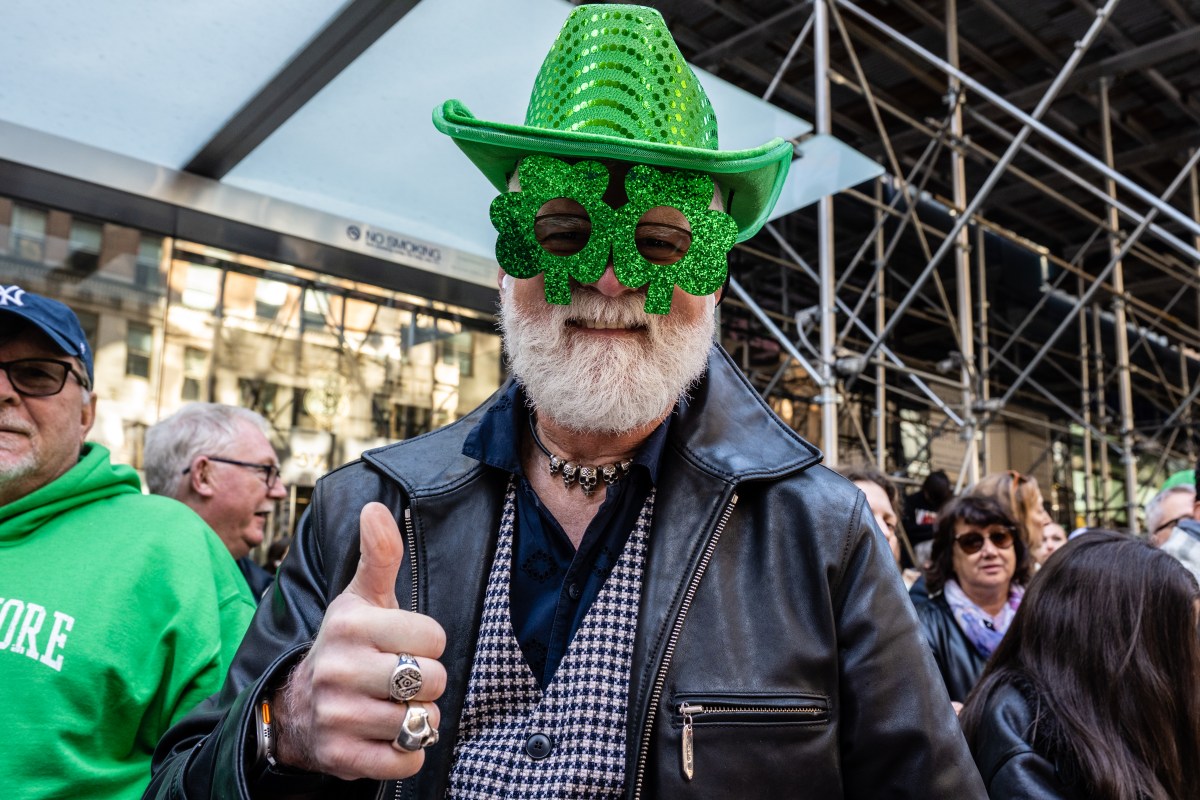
x: 336, y: 366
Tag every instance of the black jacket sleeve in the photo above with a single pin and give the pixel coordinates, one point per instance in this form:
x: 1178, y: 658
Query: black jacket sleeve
x: 898, y: 732
x: 1005, y: 752
x: 211, y: 753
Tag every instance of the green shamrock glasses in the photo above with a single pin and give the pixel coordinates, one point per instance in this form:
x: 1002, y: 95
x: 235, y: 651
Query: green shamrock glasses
x: 664, y: 236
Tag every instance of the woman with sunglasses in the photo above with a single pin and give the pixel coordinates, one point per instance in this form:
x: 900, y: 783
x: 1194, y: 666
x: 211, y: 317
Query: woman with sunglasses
x: 975, y: 579
x: 1093, y: 692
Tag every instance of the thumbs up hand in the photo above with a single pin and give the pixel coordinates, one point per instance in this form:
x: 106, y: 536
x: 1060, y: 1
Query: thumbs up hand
x: 336, y: 716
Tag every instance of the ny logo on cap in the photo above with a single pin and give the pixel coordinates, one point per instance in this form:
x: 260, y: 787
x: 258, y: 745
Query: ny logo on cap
x: 11, y: 294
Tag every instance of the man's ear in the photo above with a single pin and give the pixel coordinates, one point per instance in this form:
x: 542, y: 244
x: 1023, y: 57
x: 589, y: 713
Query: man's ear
x: 504, y: 281
x: 200, y: 477
x: 1196, y: 510
x: 87, y: 416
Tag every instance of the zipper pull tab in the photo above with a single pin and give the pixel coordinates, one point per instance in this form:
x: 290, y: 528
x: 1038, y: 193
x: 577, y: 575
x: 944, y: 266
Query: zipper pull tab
x: 688, y: 754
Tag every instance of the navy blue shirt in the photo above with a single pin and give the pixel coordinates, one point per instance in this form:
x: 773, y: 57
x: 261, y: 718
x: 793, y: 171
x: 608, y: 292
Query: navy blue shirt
x: 553, y: 584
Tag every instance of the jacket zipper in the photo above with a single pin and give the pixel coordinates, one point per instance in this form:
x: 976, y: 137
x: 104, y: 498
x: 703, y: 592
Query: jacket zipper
x: 690, y: 710
x: 410, y: 545
x: 410, y: 539
x: 660, y: 678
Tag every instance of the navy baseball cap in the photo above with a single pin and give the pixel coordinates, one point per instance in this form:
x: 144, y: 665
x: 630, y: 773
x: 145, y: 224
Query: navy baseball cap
x: 52, y: 318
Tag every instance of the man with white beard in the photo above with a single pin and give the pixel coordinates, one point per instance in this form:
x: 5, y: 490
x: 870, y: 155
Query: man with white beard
x: 622, y: 576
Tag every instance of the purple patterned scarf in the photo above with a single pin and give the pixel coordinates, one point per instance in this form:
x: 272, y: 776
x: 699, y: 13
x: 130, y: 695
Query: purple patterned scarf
x: 982, y: 629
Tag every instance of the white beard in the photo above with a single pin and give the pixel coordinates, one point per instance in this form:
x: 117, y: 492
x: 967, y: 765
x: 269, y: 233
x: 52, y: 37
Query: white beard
x: 596, y: 384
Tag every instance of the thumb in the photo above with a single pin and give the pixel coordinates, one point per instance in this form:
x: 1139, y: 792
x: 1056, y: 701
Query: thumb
x: 382, y: 550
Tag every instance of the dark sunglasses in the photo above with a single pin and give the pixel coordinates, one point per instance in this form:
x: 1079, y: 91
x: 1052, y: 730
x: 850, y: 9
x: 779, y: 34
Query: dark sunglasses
x: 1170, y: 524
x: 972, y: 543
x: 270, y: 472
x: 40, y: 377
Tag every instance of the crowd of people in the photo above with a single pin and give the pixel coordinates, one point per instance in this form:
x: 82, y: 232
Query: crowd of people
x: 1075, y: 674
x: 622, y: 576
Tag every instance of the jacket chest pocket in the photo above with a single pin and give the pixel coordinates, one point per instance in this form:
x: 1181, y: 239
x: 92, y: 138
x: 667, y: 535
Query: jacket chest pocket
x: 711, y: 723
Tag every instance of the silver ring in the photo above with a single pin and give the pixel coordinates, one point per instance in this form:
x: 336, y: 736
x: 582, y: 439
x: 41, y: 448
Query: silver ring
x: 415, y: 732
x: 406, y: 679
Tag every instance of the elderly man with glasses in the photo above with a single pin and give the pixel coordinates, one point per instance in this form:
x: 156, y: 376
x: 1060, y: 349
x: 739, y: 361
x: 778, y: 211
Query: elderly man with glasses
x: 217, y: 460
x: 1173, y: 523
x: 118, y: 612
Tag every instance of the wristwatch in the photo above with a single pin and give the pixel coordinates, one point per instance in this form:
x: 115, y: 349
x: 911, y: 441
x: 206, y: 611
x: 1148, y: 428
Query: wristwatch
x: 265, y: 731
x: 269, y: 775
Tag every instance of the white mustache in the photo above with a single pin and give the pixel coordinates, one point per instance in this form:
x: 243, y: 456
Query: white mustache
x: 593, y: 310
x: 15, y: 426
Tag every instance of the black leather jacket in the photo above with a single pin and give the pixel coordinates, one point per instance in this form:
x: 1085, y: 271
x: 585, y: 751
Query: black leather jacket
x: 768, y: 598
x: 957, y: 659
x: 1012, y: 763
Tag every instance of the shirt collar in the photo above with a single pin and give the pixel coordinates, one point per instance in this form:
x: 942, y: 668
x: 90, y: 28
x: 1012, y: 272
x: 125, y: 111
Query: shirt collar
x: 495, y: 440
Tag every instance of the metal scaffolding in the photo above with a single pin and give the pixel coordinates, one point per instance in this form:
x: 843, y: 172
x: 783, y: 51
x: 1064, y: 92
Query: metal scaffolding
x: 1000, y: 367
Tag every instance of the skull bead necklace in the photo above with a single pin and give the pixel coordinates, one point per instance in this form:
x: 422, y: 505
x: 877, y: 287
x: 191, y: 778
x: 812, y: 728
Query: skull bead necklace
x: 588, y: 477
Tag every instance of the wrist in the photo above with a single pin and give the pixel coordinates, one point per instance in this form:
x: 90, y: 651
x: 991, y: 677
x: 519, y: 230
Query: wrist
x: 289, y: 749
x: 280, y: 763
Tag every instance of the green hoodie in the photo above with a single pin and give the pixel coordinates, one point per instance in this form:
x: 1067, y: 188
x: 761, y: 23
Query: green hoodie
x: 119, y: 612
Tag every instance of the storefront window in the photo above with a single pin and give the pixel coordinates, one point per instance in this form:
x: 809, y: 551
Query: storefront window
x: 336, y: 366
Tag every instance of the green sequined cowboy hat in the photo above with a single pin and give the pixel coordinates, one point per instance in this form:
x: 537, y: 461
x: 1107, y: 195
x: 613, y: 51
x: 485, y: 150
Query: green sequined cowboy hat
x: 615, y: 86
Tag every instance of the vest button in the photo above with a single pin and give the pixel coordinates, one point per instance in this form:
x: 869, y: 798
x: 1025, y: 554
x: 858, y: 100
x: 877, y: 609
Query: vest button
x: 538, y: 746
x: 573, y: 591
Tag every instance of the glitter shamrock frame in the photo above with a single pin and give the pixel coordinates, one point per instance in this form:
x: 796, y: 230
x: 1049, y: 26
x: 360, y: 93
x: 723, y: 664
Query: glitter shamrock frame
x: 703, y: 268
x: 700, y: 272
x: 517, y: 249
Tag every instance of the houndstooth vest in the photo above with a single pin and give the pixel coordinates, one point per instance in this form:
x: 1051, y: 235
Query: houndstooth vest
x: 517, y: 740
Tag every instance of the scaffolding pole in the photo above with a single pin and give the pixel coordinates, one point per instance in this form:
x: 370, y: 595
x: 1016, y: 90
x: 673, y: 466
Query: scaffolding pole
x: 880, y: 321
x: 1085, y: 401
x: 1194, y: 185
x: 1102, y: 413
x: 825, y: 260
x: 985, y: 387
x: 962, y: 252
x: 1121, y: 329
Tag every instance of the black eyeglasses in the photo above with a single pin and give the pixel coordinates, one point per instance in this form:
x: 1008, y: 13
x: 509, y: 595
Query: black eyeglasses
x: 40, y: 377
x: 270, y: 471
x: 971, y: 543
x: 1170, y: 524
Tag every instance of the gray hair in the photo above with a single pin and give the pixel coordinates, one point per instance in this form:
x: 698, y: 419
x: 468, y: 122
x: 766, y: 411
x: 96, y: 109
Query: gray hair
x: 1154, y: 509
x: 196, y: 429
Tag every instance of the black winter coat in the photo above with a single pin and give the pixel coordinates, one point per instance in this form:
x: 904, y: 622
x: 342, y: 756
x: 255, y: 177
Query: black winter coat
x: 957, y: 659
x: 765, y: 589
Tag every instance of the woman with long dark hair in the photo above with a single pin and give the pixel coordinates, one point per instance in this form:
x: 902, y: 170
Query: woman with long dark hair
x: 975, y: 581
x: 1095, y: 691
